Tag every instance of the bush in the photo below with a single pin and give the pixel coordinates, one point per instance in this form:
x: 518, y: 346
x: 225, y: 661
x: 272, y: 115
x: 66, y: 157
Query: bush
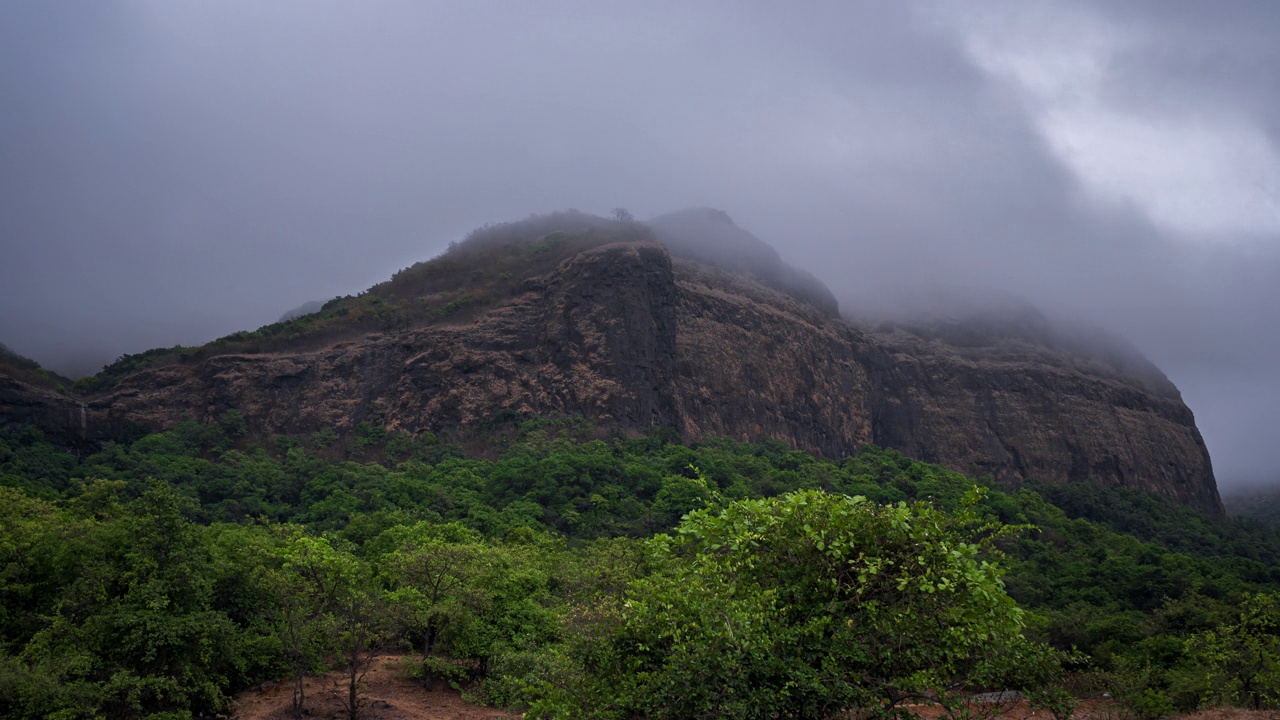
x: 808, y: 604
x: 1057, y: 700
x: 1240, y: 662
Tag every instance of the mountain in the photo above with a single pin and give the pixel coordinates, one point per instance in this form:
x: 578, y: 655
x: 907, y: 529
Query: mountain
x: 31, y: 395
x: 307, y: 308
x: 1258, y: 504
x: 687, y: 322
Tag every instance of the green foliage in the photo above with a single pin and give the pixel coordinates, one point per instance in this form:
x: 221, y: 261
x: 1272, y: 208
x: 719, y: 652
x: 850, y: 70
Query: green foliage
x: 432, y: 571
x: 1258, y: 507
x: 1240, y: 660
x: 431, y: 669
x: 1139, y: 689
x: 1171, y: 526
x: 457, y: 303
x: 809, y: 604
x: 1058, y: 701
x: 28, y: 462
x: 366, y: 437
x: 29, y: 371
x: 1151, y: 703
x: 232, y: 424
x: 324, y: 437
x: 114, y: 611
x: 162, y: 574
x: 127, y: 365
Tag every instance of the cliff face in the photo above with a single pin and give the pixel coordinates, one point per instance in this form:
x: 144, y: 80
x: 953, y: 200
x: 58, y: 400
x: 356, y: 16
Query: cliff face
x: 63, y: 419
x: 1044, y: 416
x: 624, y: 334
x: 596, y: 337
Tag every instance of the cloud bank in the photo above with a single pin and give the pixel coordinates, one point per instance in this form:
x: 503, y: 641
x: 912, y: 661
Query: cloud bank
x: 172, y: 172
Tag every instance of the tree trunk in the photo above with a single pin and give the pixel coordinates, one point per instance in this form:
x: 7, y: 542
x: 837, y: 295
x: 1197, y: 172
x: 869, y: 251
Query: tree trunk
x: 353, y: 682
x: 428, y: 650
x: 299, y: 694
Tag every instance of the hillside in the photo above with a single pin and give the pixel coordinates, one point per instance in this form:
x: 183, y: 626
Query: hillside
x: 165, y: 574
x: 1261, y: 505
x: 688, y: 323
x: 28, y: 371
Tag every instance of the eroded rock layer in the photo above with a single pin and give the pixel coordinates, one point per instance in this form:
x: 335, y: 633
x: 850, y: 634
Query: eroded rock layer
x: 631, y: 338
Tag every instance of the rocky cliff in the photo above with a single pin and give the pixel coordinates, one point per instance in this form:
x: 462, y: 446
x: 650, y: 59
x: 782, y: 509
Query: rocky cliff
x: 635, y: 335
x: 1016, y: 411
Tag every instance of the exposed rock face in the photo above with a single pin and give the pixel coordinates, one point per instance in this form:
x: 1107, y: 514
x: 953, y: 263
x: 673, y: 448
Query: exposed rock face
x: 626, y: 335
x: 755, y: 363
x: 63, y: 419
x: 597, y: 337
x: 1017, y: 415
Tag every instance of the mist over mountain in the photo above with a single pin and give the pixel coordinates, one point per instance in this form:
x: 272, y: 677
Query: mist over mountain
x: 962, y: 314
x: 690, y: 324
x: 306, y: 308
x: 992, y: 325
x: 159, y: 191
x: 710, y: 236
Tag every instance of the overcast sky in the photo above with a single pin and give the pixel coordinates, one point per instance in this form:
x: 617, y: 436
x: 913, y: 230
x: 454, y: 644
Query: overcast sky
x: 174, y: 171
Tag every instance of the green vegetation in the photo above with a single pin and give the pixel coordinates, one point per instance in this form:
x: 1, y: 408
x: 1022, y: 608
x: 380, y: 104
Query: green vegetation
x: 28, y: 370
x: 576, y: 577
x: 127, y: 365
x: 1263, y: 507
x: 806, y: 605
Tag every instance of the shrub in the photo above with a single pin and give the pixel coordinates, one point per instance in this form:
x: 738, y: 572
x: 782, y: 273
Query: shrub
x: 1240, y: 661
x: 808, y: 604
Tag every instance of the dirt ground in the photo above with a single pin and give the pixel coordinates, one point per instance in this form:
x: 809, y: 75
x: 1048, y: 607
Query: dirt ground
x: 389, y: 697
x: 1232, y: 714
x: 1100, y: 710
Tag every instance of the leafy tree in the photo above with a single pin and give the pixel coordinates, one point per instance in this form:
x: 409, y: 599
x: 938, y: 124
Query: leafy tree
x: 160, y: 590
x: 302, y: 585
x: 327, y: 602
x: 1241, y: 660
x: 122, y: 620
x: 362, y: 626
x: 810, y: 604
x: 431, y: 571
x: 233, y: 424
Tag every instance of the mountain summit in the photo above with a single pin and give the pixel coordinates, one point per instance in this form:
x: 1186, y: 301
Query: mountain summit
x: 689, y: 323
x: 710, y: 237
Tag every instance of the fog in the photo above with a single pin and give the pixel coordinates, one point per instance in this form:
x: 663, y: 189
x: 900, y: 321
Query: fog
x: 175, y: 171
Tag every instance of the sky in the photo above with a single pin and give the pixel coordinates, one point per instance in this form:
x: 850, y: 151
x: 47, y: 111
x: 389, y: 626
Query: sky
x: 174, y: 171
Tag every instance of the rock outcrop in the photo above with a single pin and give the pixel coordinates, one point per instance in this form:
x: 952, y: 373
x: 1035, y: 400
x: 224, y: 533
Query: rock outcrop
x: 633, y: 337
x: 1016, y: 412
x: 62, y: 418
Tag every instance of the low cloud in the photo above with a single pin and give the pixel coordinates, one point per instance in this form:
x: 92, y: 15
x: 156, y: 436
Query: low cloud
x: 174, y: 172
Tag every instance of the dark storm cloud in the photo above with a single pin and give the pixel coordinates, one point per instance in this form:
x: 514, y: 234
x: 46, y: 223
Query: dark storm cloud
x: 171, y: 172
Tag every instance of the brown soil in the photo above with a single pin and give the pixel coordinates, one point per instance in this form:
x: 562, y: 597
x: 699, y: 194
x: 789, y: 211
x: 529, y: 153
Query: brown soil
x: 387, y: 696
x: 1020, y: 710
x: 1094, y: 710
x: 1231, y: 714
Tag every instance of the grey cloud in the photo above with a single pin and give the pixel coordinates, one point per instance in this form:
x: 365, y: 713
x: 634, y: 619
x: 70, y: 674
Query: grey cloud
x: 177, y: 171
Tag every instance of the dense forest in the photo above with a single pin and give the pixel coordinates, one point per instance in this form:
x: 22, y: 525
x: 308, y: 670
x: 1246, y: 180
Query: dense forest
x: 549, y: 569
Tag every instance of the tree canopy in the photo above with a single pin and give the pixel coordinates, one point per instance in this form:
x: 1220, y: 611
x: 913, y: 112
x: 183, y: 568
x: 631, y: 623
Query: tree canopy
x: 563, y: 573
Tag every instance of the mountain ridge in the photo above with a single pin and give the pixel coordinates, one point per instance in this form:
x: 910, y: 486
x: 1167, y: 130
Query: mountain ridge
x: 586, y: 316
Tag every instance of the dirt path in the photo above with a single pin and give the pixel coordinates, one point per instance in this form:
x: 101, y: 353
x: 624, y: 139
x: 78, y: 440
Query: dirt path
x: 396, y: 698
x: 1096, y: 710
x: 390, y: 698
